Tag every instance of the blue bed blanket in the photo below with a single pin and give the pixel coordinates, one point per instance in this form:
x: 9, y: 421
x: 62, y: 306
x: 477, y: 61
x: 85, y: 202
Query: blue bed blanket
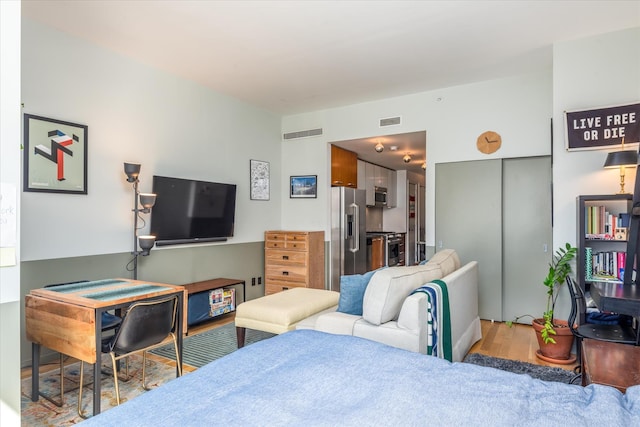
x: 309, y: 378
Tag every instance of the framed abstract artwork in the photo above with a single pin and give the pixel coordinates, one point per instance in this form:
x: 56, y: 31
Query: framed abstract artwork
x: 304, y: 187
x: 55, y: 156
x: 259, y: 180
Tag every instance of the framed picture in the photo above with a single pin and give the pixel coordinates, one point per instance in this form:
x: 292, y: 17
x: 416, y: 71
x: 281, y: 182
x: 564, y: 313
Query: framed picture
x: 304, y: 187
x: 55, y: 156
x: 259, y: 172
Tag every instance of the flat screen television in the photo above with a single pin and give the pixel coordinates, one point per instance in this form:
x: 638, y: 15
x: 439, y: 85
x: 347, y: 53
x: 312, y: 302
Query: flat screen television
x: 190, y: 211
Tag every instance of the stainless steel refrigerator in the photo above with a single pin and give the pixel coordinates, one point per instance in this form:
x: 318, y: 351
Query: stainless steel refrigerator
x: 348, y: 234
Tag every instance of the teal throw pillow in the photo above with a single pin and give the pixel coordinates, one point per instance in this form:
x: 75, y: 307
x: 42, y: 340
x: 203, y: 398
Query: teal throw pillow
x: 352, y: 289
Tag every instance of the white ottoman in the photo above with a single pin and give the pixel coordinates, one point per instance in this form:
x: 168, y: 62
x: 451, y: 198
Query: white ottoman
x: 279, y: 312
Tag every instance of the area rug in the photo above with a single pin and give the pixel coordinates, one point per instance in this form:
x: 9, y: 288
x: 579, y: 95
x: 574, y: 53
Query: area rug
x: 205, y: 347
x: 44, y: 413
x: 540, y: 372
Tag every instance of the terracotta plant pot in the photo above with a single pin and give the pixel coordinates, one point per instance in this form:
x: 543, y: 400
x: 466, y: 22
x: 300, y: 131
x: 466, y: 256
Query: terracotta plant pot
x: 560, y: 352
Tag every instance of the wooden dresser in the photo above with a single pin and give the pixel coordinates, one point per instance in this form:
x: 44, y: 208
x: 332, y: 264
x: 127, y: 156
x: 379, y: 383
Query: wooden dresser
x: 293, y: 259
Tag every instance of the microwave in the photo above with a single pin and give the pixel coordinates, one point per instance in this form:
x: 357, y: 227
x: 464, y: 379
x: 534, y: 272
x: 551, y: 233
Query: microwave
x: 380, y: 196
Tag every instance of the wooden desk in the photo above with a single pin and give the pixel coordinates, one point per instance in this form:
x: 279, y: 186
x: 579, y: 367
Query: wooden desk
x: 617, y: 298
x: 68, y: 319
x: 612, y: 364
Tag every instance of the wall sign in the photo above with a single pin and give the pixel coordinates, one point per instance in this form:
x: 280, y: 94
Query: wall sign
x: 604, y: 127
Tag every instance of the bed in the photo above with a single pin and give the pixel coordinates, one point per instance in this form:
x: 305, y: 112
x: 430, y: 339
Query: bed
x: 310, y: 378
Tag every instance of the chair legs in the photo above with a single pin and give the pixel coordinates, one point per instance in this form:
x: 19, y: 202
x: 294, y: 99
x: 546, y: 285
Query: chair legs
x: 80, y: 391
x: 49, y: 398
x: 114, y: 364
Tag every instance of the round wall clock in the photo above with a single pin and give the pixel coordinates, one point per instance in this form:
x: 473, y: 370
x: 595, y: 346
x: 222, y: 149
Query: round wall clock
x: 489, y: 142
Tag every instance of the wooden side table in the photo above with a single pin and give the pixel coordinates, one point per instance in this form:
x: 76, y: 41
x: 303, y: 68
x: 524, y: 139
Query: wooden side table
x: 612, y: 364
x: 208, y: 285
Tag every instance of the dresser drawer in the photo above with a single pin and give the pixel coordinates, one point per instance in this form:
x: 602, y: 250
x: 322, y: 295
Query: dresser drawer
x: 293, y: 241
x: 272, y: 288
x: 282, y: 257
x: 288, y: 273
x: 294, y: 245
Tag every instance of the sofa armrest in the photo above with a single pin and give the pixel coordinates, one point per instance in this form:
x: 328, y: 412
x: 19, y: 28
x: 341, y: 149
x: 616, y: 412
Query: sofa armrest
x: 413, y: 314
x: 462, y: 286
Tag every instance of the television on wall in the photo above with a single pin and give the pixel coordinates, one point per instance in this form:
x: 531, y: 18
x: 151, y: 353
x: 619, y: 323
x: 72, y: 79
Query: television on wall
x: 190, y: 211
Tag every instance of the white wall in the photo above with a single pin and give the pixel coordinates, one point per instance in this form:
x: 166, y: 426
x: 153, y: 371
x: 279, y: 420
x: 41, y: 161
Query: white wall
x: 519, y: 108
x: 10, y: 174
x: 136, y: 114
x: 589, y: 73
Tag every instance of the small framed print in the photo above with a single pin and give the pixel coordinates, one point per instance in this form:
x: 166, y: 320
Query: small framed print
x: 621, y: 233
x: 259, y: 176
x: 55, y: 156
x: 304, y: 187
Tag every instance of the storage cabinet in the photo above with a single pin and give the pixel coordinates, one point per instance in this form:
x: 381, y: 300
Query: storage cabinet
x: 377, y: 176
x: 600, y: 255
x: 293, y: 259
x: 344, y: 168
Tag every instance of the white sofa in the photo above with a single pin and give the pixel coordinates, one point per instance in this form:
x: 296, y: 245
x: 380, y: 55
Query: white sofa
x: 394, y: 317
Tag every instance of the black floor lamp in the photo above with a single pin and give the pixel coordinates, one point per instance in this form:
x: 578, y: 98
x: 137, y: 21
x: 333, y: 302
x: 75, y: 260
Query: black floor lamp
x: 141, y: 244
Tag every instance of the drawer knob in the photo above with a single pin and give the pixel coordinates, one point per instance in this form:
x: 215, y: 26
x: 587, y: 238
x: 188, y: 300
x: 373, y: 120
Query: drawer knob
x: 285, y: 273
x: 285, y: 256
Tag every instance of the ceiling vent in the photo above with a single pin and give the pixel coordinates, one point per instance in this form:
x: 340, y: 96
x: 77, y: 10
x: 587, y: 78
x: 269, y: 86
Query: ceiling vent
x: 302, y: 134
x: 391, y: 121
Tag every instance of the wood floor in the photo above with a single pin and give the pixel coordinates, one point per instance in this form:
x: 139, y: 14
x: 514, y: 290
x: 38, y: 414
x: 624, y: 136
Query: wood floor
x: 498, y: 340
x: 516, y: 343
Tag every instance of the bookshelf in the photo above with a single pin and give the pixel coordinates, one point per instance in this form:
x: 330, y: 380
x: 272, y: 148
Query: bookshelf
x: 600, y: 255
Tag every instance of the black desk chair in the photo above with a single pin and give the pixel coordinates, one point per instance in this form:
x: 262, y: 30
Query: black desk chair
x: 612, y: 333
x: 109, y: 322
x: 147, y: 325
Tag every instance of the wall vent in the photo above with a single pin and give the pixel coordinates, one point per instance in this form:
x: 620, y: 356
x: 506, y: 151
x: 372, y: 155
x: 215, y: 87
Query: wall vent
x: 390, y: 121
x: 302, y: 134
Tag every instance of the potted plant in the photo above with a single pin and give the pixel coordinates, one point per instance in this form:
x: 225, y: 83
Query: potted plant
x: 554, y: 336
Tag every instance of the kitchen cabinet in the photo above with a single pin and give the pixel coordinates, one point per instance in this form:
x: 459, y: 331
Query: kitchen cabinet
x: 362, y: 175
x: 344, y: 168
x: 392, y: 199
x: 377, y: 176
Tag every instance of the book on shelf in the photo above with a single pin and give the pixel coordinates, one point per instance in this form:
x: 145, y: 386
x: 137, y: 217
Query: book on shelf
x: 599, y: 221
x: 604, y: 265
x: 588, y: 263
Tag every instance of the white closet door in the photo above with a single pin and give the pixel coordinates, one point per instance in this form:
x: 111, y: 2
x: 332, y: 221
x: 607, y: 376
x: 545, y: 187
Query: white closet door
x: 498, y: 212
x: 469, y: 219
x: 527, y: 243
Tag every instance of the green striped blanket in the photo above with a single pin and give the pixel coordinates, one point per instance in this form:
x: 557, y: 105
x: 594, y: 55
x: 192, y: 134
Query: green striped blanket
x: 438, y: 319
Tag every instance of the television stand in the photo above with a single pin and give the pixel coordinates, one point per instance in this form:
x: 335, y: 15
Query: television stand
x: 194, y: 290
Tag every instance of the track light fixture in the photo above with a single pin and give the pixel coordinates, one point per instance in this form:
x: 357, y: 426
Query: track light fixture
x: 379, y: 147
x: 406, y: 158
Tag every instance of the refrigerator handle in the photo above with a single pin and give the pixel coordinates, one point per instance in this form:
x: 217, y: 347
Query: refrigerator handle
x: 356, y: 229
